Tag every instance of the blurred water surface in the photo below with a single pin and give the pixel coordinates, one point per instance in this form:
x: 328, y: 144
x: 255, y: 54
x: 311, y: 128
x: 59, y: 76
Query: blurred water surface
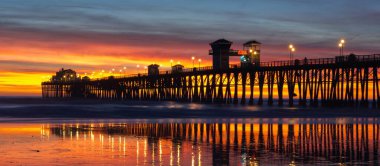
x: 322, y: 141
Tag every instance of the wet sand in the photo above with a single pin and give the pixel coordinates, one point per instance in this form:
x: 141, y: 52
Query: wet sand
x: 100, y: 109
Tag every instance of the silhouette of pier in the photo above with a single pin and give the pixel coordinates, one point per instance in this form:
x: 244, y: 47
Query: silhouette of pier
x: 350, y: 80
x: 325, y: 81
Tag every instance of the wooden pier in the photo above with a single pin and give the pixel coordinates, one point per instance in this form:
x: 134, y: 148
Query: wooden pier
x: 341, y: 81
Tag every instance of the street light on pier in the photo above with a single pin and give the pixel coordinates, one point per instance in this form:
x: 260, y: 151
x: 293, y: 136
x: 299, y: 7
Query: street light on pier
x: 138, y: 67
x: 171, y: 62
x: 192, y: 58
x: 199, y: 63
x: 341, y: 46
x: 146, y: 69
x: 292, y: 49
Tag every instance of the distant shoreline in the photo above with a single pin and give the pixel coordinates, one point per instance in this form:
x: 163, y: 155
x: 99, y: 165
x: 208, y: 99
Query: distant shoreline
x: 31, y: 107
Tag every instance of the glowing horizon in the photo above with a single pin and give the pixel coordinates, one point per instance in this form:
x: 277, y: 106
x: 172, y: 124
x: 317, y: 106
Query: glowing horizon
x: 38, y: 38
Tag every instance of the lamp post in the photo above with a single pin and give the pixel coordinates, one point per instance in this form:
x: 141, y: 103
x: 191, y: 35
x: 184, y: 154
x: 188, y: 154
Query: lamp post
x: 146, y: 69
x: 291, y: 47
x: 199, y: 63
x: 192, y: 58
x: 138, y: 67
x: 293, y: 50
x: 341, y: 46
x: 124, y: 68
x: 171, y: 62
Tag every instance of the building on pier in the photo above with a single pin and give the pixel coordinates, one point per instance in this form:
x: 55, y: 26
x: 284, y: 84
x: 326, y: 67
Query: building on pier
x: 65, y: 75
x: 153, y: 69
x: 252, y: 50
x: 221, y: 51
x: 178, y: 68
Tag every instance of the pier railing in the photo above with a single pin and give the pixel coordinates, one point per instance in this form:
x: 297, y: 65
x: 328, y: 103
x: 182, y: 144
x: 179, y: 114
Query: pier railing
x: 343, y: 80
x: 296, y: 62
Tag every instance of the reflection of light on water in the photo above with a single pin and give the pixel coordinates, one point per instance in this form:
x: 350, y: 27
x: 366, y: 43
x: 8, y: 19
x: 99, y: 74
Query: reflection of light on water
x: 244, y: 159
x: 102, y: 141
x: 145, y: 150
x: 45, y: 132
x: 153, y: 153
x: 292, y: 163
x: 119, y: 144
x: 137, y: 152
x: 160, y: 159
x: 272, y: 138
x: 178, y: 154
x: 199, y: 156
x: 93, y: 136
x: 192, y: 155
x: 124, y: 148
x: 71, y: 134
x: 171, y: 154
x: 77, y: 135
x: 112, y: 144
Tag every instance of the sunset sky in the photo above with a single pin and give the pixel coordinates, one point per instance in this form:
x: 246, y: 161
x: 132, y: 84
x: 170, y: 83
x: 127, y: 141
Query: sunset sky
x: 38, y: 37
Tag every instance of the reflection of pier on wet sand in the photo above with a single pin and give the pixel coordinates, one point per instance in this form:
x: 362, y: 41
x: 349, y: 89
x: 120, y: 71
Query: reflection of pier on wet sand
x: 245, y: 142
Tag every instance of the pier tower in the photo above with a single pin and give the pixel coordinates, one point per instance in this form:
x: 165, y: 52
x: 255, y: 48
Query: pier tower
x: 253, y: 51
x: 220, y: 54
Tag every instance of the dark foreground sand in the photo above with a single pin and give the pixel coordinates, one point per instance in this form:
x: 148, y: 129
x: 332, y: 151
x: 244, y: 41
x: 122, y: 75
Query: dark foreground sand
x: 100, y: 109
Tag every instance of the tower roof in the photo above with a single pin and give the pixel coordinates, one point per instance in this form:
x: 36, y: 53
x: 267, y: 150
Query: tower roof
x: 221, y: 41
x: 251, y: 42
x: 153, y: 65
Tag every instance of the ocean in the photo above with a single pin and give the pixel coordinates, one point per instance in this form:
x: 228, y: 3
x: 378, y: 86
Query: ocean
x: 94, y: 132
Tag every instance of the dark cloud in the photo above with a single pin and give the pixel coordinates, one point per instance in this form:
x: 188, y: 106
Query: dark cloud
x: 175, y: 24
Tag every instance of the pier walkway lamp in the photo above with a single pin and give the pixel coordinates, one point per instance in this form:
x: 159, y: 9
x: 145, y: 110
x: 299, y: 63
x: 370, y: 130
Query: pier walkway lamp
x: 341, y: 46
x: 138, y: 67
x: 171, y: 62
x: 199, y: 63
x: 192, y: 58
x: 292, y: 49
